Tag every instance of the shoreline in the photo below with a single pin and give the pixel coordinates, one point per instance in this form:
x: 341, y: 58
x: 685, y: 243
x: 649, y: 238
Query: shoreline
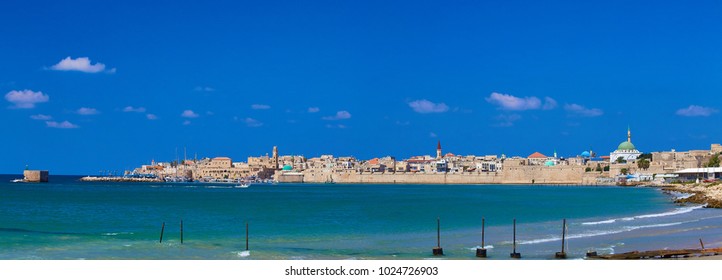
x: 701, y: 193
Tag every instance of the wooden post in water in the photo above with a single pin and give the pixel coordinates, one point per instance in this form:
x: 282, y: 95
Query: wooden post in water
x: 701, y: 244
x: 181, y: 225
x: 562, y: 254
x: 481, y: 252
x: 162, y: 228
x: 514, y: 254
x: 438, y: 251
x: 246, y: 236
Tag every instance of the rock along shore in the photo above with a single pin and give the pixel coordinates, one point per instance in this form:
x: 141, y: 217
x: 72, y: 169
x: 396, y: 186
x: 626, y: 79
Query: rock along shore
x: 702, y: 193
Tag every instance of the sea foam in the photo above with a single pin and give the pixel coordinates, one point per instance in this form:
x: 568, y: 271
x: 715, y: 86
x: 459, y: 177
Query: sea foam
x: 656, y: 215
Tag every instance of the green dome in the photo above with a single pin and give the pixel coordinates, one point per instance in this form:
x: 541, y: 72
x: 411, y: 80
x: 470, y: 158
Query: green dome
x: 626, y: 145
x: 549, y: 163
x: 287, y: 167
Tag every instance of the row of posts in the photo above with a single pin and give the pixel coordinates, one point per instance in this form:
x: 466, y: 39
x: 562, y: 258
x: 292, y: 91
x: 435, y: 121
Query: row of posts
x: 162, y: 230
x: 438, y: 251
x: 481, y: 252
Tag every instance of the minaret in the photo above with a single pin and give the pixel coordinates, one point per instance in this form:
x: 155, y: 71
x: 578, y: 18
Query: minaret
x: 438, y: 150
x: 275, y: 156
x: 629, y: 135
x: 555, y: 153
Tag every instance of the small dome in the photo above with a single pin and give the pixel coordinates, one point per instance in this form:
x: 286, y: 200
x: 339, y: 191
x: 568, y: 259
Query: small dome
x: 586, y: 154
x: 626, y: 145
x: 287, y: 168
x: 549, y: 163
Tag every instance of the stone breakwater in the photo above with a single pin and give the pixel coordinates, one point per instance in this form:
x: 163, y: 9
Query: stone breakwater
x: 702, y: 193
x: 118, y: 179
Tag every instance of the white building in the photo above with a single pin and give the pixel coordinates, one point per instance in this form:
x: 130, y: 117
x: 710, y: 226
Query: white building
x: 625, y: 150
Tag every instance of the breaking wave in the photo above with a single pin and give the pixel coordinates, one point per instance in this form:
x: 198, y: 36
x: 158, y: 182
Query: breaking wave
x: 656, y: 215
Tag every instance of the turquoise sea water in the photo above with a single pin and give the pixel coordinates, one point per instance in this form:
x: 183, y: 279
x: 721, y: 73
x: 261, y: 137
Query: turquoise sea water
x: 68, y: 219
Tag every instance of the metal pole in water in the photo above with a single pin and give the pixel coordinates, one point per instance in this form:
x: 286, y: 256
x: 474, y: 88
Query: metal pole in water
x: 481, y: 252
x: 246, y: 236
x: 438, y: 251
x: 514, y: 254
x: 700, y: 243
x: 181, y: 228
x: 162, y: 228
x: 562, y: 254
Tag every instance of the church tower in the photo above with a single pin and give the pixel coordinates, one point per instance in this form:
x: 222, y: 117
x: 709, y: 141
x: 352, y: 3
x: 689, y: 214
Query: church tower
x: 275, y: 156
x: 438, y: 150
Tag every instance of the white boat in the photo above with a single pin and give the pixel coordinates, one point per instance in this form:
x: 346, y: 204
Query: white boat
x: 243, y: 185
x: 18, y: 180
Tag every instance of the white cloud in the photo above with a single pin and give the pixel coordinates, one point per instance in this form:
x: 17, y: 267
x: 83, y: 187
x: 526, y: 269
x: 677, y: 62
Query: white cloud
x: 549, y: 103
x: 250, y: 122
x: 65, y: 124
x: 313, y: 109
x: 26, y: 99
x: 580, y: 110
x: 335, y: 126
x: 186, y: 122
x: 507, y: 120
x: 340, y: 115
x: 134, y: 110
x: 432, y: 135
x: 696, y: 111
x: 205, y: 89
x: 41, y: 117
x: 189, y: 114
x: 151, y: 116
x: 260, y: 107
x: 87, y: 111
x: 424, y: 106
x: 81, y: 64
x: 513, y: 103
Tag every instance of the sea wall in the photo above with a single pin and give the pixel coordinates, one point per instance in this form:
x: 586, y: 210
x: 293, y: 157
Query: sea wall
x: 509, y: 175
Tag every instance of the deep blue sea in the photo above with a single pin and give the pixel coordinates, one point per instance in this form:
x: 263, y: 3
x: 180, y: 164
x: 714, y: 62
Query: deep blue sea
x: 68, y: 219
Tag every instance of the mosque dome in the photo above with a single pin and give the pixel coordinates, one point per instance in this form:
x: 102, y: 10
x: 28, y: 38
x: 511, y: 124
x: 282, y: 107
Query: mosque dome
x: 626, y: 146
x: 549, y: 163
x: 586, y: 154
x: 287, y: 168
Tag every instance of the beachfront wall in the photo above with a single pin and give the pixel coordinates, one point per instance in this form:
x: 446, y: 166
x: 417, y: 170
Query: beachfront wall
x: 508, y: 175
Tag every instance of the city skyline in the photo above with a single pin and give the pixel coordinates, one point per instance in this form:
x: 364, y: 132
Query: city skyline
x: 110, y: 85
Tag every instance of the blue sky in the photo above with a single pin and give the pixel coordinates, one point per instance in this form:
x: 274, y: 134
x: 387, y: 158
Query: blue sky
x: 91, y: 85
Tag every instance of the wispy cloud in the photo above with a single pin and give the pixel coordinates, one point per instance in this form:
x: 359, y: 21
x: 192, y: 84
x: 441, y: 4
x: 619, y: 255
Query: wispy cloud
x: 313, y: 109
x: 260, y: 107
x: 131, y: 109
x: 424, y: 106
x: 151, y: 116
x: 404, y: 123
x: 506, y: 120
x: 335, y: 126
x: 340, y: 115
x: 696, y: 111
x: 579, y: 110
x: 41, y: 117
x: 204, y: 89
x: 549, y: 103
x: 251, y: 122
x: 513, y: 103
x: 186, y: 122
x: 82, y: 64
x: 189, y: 114
x: 432, y: 135
x: 65, y: 124
x: 26, y: 99
x: 87, y: 111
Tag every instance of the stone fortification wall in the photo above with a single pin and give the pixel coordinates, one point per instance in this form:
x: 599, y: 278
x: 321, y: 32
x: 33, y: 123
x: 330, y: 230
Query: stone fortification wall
x: 35, y: 175
x: 510, y: 175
